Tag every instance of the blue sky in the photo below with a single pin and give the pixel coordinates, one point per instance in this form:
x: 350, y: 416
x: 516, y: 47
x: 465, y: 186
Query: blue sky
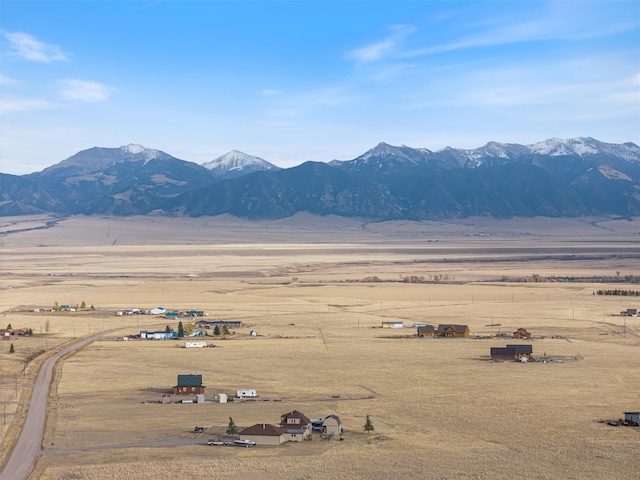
x: 291, y: 81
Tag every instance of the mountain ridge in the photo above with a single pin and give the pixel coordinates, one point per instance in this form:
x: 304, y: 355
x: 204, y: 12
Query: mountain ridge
x: 574, y: 177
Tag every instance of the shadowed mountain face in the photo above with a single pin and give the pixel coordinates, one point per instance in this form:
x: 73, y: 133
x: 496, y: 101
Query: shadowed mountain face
x: 576, y: 177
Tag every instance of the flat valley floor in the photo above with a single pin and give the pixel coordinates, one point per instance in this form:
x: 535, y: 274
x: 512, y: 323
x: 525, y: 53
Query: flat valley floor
x: 317, y: 292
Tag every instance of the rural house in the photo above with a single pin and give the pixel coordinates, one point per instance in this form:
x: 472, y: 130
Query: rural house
x: 521, y: 333
x: 426, y: 331
x: 452, y: 331
x: 332, y: 426
x: 503, y: 354
x: 296, y: 425
x: 511, y: 353
x: 190, y: 384
x: 264, y: 434
x: 522, y: 351
x: 207, y: 324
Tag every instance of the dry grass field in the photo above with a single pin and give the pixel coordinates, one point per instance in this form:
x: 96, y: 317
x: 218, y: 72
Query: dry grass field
x: 440, y: 408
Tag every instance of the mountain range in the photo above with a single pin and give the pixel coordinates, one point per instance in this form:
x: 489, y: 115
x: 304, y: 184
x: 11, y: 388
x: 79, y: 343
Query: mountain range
x: 575, y: 177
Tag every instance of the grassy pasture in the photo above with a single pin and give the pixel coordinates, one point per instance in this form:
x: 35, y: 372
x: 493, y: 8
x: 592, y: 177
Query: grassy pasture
x: 439, y: 407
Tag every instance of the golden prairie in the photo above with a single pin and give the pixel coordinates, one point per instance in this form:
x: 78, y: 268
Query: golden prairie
x: 440, y: 408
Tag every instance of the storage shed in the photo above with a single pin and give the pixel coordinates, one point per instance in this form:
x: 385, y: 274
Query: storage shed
x: 332, y: 425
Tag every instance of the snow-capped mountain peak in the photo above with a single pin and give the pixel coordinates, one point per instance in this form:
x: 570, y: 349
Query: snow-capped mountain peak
x: 236, y: 163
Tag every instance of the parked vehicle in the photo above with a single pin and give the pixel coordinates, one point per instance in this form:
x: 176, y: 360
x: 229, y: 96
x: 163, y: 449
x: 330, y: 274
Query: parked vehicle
x: 216, y: 441
x: 244, y: 443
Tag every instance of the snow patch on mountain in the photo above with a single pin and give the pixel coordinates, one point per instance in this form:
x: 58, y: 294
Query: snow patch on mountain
x: 133, y: 148
x: 138, y: 152
x: 236, y: 162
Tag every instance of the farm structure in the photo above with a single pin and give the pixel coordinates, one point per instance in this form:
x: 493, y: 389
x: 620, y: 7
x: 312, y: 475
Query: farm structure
x: 452, y: 331
x: 633, y: 418
x: 512, y: 353
x: 296, y: 425
x: 392, y: 324
x: 14, y: 332
x: 332, y: 425
x: 426, y: 331
x: 207, y: 324
x: 264, y: 434
x: 190, y: 384
x: 522, y: 333
x: 630, y: 312
x: 161, y: 335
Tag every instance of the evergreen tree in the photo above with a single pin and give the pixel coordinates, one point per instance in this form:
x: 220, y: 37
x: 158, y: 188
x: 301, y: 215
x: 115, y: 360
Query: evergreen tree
x: 216, y: 331
x: 167, y: 329
x: 225, y: 330
x: 30, y: 332
x: 180, y: 329
x: 83, y: 305
x: 12, y: 349
x: 231, y: 428
x: 368, y: 425
x: 9, y: 327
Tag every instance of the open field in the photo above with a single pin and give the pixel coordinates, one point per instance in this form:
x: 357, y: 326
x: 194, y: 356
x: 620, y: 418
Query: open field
x: 440, y: 409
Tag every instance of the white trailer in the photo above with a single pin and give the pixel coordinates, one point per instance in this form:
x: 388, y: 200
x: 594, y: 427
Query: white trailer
x: 246, y: 393
x: 195, y: 344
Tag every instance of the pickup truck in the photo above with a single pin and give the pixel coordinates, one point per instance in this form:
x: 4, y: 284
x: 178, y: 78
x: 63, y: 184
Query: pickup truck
x: 216, y: 441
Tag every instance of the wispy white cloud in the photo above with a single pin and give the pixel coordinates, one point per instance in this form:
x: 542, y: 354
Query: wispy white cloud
x: 559, y: 23
x: 28, y: 47
x: 9, y: 105
x: 84, y: 90
x: 302, y: 103
x: 6, y: 80
x: 386, y: 46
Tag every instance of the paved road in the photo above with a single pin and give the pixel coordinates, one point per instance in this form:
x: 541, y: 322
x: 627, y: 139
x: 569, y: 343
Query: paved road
x: 28, y: 446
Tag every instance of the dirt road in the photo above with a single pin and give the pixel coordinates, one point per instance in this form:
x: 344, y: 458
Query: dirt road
x: 29, y: 444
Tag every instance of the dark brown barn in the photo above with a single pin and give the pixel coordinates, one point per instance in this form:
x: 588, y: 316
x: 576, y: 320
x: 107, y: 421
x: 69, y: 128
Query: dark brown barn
x: 189, y: 385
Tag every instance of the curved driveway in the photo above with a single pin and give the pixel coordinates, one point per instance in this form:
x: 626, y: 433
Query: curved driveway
x: 29, y: 444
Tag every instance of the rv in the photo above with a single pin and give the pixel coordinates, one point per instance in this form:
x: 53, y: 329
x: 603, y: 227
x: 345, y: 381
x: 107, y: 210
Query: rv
x: 246, y: 393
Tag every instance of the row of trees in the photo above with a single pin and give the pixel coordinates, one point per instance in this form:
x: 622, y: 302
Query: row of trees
x: 80, y: 306
x: 187, y: 331
x: 620, y: 292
